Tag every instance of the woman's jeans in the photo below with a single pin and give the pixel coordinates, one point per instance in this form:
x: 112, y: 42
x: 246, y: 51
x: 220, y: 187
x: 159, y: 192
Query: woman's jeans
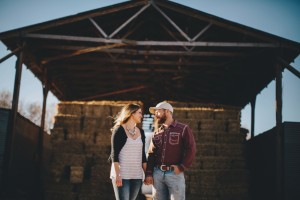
x: 168, y: 185
x: 129, y: 190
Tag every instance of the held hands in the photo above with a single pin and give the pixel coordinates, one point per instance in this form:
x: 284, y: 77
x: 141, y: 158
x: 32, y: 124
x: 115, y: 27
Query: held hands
x: 119, y: 180
x: 148, y: 180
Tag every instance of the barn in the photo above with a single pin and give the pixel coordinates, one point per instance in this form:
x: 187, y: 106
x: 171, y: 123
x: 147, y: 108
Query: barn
x: 147, y: 51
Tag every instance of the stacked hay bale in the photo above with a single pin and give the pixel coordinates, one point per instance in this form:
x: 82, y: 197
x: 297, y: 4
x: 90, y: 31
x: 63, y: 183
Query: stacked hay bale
x: 79, y: 168
x: 219, y: 170
x: 81, y: 146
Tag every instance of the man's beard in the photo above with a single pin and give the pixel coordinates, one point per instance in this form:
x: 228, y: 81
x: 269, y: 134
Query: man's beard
x: 162, y: 119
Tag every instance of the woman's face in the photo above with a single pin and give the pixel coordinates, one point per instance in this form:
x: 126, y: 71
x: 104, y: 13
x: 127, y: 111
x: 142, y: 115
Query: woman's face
x: 137, y: 116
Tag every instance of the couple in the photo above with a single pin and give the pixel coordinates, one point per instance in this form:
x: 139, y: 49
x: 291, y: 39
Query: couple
x: 171, y: 152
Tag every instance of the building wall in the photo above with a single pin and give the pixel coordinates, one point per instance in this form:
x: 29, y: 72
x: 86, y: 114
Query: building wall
x: 81, y: 147
x: 4, y: 117
x: 263, y: 161
x: 23, y: 178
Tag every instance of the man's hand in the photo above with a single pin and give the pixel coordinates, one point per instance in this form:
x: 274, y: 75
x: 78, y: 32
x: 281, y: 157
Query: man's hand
x: 148, y: 180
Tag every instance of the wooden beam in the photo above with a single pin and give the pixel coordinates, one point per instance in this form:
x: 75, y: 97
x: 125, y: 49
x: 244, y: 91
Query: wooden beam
x: 74, y: 18
x: 10, y: 140
x: 279, y: 135
x: 138, y: 62
x: 278, y: 95
x: 226, y: 24
x: 154, y: 43
x: 202, y: 32
x: 171, y: 21
x: 113, y: 93
x: 40, y: 141
x: 11, y: 54
x: 289, y: 67
x: 82, y: 51
x: 98, y: 27
x: 79, y: 72
x: 129, y: 20
x: 253, y: 117
x: 151, y: 52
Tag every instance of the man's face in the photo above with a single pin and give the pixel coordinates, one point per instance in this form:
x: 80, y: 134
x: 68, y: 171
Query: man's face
x: 160, y: 115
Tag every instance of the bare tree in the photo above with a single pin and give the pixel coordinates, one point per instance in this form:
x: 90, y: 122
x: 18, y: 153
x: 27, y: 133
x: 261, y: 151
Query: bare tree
x: 32, y: 111
x: 5, y: 99
x: 49, y: 118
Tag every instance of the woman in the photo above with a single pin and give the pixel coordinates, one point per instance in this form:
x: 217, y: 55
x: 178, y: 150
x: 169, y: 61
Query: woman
x: 128, y: 153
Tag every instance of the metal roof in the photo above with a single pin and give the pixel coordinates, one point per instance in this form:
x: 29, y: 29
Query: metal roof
x: 151, y: 51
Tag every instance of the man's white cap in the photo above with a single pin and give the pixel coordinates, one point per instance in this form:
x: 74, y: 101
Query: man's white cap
x: 161, y: 105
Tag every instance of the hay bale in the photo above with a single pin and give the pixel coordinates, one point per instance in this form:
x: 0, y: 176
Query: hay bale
x: 70, y: 108
x: 57, y: 134
x: 67, y: 122
x: 76, y: 174
x: 75, y: 147
x: 97, y: 110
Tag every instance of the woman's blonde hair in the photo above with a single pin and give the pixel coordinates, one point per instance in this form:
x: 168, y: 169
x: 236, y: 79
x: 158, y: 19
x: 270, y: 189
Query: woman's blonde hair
x: 123, y: 116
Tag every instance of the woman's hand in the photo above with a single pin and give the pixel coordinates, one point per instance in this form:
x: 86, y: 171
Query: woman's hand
x: 119, y: 180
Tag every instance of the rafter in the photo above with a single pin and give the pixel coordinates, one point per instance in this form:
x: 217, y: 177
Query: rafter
x: 171, y: 22
x: 79, y: 52
x: 149, y: 52
x: 113, y: 93
x: 128, y: 21
x: 98, y: 27
x: 289, y: 67
x: 153, y: 43
x: 202, y: 32
x: 76, y: 18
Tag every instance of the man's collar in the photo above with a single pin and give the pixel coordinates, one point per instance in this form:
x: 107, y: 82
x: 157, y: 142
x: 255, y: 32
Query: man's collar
x: 163, y: 128
x: 174, y: 123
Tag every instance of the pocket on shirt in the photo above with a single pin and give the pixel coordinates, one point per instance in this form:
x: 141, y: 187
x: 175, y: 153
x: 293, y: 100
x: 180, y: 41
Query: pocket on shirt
x: 157, y: 140
x: 174, y: 138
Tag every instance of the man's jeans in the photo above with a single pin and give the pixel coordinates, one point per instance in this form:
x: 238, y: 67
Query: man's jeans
x: 129, y: 190
x: 167, y: 185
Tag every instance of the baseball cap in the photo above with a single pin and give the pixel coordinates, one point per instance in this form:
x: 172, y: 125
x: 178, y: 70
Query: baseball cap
x: 161, y: 105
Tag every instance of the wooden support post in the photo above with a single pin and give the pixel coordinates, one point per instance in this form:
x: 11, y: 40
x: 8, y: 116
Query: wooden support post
x: 252, y: 117
x: 279, y: 134
x: 40, y: 145
x: 9, y: 146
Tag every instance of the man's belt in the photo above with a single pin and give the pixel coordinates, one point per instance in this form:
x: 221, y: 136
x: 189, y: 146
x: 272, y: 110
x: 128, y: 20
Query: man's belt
x: 165, y: 168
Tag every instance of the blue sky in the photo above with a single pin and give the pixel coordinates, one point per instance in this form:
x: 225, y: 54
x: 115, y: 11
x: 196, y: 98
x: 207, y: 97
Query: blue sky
x: 278, y: 17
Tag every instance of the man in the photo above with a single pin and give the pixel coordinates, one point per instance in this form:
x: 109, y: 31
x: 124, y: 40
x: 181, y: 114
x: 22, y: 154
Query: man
x: 171, y: 152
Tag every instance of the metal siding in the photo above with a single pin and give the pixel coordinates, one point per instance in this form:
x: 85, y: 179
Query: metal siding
x: 291, y: 160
